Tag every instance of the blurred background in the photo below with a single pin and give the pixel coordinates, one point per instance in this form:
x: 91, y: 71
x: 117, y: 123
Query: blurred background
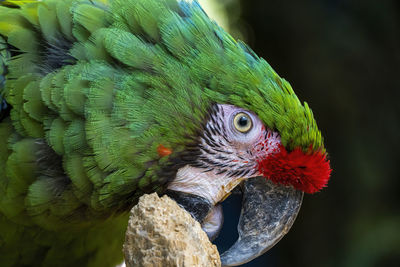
x: 343, y: 58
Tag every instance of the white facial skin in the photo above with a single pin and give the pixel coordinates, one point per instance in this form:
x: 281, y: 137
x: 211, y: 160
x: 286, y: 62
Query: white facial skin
x: 228, y: 155
x: 250, y: 141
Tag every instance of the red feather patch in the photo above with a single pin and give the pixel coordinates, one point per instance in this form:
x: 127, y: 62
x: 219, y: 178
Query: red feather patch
x: 308, y: 172
x: 163, y: 151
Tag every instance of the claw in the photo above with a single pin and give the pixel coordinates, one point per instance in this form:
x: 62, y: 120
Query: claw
x: 268, y: 212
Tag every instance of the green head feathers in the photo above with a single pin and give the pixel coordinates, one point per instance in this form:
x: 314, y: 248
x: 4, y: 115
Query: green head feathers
x: 176, y: 49
x: 205, y: 58
x: 196, y: 63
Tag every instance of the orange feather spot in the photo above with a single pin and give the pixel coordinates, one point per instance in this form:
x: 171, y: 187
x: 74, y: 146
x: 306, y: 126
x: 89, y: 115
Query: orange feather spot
x: 163, y: 151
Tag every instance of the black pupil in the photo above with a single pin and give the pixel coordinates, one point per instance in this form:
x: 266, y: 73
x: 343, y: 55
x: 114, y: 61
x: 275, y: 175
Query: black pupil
x: 243, y: 121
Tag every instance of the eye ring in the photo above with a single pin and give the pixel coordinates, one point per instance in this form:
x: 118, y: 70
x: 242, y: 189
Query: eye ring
x: 242, y: 122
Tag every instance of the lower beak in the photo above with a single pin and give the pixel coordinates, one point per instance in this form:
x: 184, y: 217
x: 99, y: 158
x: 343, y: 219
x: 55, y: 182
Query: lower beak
x: 268, y: 212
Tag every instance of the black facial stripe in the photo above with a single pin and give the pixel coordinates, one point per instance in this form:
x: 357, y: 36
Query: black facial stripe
x: 223, y: 129
x: 245, y: 172
x: 221, y: 171
x: 213, y: 117
x: 221, y: 165
x: 208, y: 151
x: 208, y: 161
x: 235, y: 173
x: 222, y: 151
x: 216, y: 108
x: 217, y: 125
x: 207, y: 138
x: 213, y: 131
x: 220, y: 157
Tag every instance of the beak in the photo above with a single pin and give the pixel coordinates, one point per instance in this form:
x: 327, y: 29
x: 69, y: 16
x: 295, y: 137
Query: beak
x: 268, y: 212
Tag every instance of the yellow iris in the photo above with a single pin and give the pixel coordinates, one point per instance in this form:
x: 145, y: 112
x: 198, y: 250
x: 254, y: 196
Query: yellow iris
x: 242, y: 122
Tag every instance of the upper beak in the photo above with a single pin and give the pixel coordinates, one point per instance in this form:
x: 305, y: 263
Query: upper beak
x: 268, y: 212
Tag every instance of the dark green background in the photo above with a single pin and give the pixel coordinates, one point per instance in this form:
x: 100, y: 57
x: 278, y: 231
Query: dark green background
x: 343, y: 58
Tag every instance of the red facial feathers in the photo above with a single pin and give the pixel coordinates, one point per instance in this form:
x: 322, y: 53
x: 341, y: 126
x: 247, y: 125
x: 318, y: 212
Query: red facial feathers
x: 163, y: 151
x: 308, y: 172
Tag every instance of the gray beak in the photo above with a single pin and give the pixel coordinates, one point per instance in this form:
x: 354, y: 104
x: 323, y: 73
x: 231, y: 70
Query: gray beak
x: 268, y: 212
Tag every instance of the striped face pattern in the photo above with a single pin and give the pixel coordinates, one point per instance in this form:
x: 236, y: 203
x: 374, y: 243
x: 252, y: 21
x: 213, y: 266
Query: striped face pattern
x: 235, y: 145
x: 228, y: 150
x: 232, y: 143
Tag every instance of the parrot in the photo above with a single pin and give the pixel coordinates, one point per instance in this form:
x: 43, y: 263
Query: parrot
x: 103, y: 101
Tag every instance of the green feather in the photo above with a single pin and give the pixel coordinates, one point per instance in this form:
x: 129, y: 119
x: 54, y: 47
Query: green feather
x: 75, y: 98
x: 64, y: 18
x: 98, y: 86
x: 129, y: 49
x: 76, y: 171
x: 48, y: 20
x: 33, y: 101
x: 55, y: 134
x: 90, y: 16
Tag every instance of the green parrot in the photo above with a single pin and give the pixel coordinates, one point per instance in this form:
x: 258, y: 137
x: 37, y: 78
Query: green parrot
x: 102, y: 101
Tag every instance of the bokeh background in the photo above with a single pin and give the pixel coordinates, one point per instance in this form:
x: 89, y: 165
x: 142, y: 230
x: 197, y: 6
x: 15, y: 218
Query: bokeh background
x: 343, y: 58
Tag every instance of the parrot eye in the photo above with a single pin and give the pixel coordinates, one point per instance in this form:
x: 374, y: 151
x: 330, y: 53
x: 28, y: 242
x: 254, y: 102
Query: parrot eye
x: 242, y: 122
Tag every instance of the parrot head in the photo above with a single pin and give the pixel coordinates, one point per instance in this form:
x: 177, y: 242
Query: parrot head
x: 234, y: 147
